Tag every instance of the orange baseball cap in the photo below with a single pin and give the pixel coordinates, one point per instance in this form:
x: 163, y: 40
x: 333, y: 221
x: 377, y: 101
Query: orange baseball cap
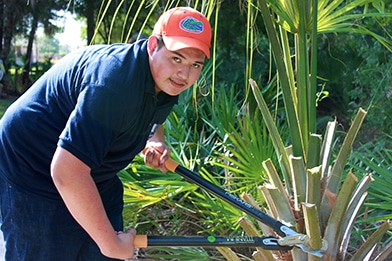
x: 184, y: 27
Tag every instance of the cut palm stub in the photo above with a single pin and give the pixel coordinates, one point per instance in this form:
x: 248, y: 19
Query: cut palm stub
x: 289, y: 238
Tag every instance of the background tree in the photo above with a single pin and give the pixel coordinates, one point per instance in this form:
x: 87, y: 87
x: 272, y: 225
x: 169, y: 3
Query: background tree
x: 113, y: 21
x: 23, y: 18
x: 39, y: 12
x: 88, y: 9
x: 12, y: 13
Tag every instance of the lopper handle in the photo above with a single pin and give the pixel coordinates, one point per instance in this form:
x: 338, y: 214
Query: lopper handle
x: 268, y: 243
x: 171, y: 164
x: 140, y: 241
x: 192, y: 177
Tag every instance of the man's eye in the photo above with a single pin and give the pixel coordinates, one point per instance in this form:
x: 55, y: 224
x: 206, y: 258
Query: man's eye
x: 176, y: 59
x: 196, y: 65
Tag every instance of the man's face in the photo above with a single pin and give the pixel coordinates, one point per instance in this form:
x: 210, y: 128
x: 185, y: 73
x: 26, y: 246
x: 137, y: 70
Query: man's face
x: 174, y: 71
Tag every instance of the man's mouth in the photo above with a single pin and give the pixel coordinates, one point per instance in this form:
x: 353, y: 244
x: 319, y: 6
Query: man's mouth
x: 177, y: 83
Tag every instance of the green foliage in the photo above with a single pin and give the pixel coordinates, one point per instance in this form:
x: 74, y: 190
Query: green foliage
x: 4, y: 103
x: 375, y: 158
x: 358, y: 70
x: 202, y: 138
x: 336, y: 208
x: 183, y: 254
x: 123, y: 21
x: 39, y: 68
x: 373, y: 89
x: 48, y: 46
x: 22, y: 20
x: 16, y: 72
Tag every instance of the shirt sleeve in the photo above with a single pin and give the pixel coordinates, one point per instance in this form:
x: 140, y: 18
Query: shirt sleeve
x: 96, y: 121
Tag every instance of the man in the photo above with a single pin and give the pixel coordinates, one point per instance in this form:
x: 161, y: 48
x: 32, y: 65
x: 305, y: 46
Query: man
x: 65, y: 139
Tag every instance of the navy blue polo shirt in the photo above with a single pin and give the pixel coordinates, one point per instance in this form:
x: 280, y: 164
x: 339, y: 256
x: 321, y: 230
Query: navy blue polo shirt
x: 98, y: 103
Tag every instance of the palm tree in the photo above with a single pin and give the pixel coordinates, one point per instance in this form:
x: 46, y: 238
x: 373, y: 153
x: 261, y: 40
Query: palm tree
x: 328, y: 207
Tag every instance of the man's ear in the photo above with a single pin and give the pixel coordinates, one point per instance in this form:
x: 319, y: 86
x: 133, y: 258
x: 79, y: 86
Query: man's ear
x: 152, y: 44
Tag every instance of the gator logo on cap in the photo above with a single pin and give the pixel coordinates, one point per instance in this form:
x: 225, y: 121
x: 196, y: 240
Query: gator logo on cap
x: 191, y: 25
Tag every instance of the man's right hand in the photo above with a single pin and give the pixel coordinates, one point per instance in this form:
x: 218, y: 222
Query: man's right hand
x: 124, y: 247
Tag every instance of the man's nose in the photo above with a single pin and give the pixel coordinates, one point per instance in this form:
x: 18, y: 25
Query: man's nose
x: 183, y: 72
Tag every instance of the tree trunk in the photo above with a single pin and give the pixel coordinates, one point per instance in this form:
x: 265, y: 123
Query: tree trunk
x: 90, y: 20
x: 26, y: 81
x: 2, y: 13
x: 9, y: 22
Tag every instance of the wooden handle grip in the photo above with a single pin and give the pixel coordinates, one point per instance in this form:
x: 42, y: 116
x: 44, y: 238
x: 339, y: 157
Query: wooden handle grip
x: 140, y: 241
x: 171, y: 164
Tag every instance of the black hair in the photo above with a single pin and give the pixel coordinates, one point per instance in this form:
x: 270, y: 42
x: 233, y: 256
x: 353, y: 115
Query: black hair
x: 160, y: 42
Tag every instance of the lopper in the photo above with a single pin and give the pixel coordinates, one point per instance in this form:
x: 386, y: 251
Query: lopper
x: 288, y: 239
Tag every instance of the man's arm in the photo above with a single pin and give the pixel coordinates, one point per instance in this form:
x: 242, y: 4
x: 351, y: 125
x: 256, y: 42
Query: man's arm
x: 80, y: 194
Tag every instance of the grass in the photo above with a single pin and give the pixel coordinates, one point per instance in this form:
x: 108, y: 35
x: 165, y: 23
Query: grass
x: 4, y: 103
